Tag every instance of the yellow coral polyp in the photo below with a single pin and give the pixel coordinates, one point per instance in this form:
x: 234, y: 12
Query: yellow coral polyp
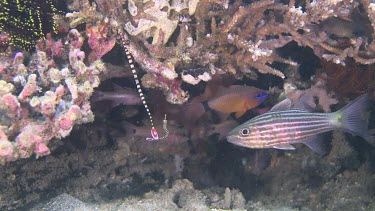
x: 34, y: 102
x: 5, y: 87
x: 73, y: 117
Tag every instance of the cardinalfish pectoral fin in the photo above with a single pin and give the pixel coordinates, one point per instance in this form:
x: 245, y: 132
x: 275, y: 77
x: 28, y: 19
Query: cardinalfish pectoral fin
x: 282, y: 106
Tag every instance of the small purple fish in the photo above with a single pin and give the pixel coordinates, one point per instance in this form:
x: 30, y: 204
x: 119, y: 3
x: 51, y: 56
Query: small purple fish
x: 283, y: 126
x: 124, y: 96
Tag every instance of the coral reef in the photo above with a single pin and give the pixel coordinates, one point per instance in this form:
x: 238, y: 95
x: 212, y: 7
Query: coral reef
x: 317, y: 90
x: 42, y: 101
x: 187, y: 52
x: 197, y: 53
x: 172, y: 39
x: 175, y: 43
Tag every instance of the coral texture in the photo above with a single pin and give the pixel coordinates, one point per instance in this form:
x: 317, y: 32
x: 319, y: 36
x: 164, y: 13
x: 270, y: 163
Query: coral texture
x: 41, y: 101
x: 174, y: 42
x: 218, y: 36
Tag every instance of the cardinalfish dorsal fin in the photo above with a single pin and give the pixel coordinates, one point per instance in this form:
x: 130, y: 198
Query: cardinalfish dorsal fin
x: 154, y: 132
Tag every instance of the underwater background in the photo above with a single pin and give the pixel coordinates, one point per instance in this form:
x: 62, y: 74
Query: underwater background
x: 127, y: 104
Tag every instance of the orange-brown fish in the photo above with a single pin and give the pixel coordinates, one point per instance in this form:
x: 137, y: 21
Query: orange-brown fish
x: 236, y: 98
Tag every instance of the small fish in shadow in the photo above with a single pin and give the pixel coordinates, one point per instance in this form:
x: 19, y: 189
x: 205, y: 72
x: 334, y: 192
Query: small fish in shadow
x: 120, y: 96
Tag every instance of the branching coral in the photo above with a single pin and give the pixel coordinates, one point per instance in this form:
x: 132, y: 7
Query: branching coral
x: 254, y: 44
x: 86, y: 13
x: 157, y: 19
x: 217, y: 35
x: 329, y: 15
x: 144, y: 20
x: 257, y: 30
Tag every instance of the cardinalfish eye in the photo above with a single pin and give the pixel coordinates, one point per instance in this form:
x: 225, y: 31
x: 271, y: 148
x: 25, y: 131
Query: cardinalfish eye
x: 244, y: 132
x: 261, y: 96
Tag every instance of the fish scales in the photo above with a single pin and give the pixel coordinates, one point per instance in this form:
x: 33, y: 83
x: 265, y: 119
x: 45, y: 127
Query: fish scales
x: 283, y: 126
x: 292, y: 126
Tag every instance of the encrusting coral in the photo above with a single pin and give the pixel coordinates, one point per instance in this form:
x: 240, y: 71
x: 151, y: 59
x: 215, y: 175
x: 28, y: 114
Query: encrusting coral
x: 41, y: 102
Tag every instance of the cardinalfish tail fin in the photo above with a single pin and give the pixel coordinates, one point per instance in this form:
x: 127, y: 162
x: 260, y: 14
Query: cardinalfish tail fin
x: 353, y: 118
x: 154, y: 133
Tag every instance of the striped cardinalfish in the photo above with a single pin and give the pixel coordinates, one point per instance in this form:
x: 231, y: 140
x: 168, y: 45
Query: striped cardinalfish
x: 283, y: 126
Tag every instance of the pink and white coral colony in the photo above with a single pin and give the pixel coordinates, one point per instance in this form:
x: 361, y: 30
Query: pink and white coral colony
x: 41, y: 102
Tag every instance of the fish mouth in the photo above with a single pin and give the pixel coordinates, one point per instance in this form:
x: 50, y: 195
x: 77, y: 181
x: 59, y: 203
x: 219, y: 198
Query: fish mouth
x: 234, y: 140
x: 232, y: 136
